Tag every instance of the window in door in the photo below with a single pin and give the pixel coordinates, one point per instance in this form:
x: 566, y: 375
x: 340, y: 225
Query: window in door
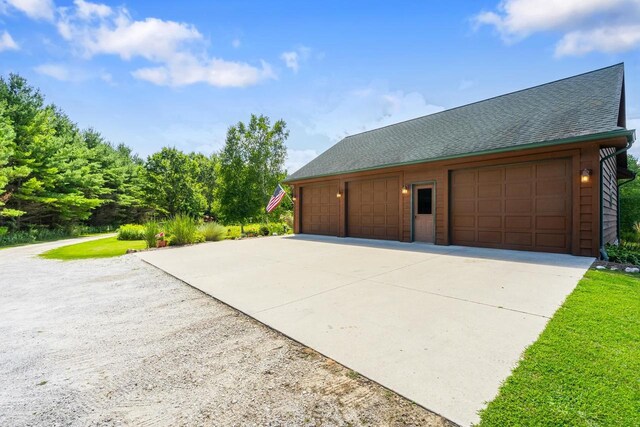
x: 425, y: 201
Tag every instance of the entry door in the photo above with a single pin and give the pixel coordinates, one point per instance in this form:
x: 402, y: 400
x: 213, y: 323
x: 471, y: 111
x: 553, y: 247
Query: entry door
x: 423, y: 210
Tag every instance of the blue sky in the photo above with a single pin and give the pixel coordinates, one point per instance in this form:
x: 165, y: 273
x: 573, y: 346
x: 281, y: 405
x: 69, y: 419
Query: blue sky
x: 151, y: 74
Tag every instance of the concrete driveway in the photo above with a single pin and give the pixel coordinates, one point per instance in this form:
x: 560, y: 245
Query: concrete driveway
x: 440, y: 325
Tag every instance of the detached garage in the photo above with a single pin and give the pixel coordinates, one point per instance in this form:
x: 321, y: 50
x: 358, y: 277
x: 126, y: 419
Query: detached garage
x: 535, y: 170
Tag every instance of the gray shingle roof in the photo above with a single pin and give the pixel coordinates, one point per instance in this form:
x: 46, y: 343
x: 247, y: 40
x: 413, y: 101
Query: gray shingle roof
x: 573, y: 107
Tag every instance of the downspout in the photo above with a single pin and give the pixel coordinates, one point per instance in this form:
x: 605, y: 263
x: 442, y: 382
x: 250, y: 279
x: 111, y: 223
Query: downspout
x: 635, y: 175
x: 603, y: 251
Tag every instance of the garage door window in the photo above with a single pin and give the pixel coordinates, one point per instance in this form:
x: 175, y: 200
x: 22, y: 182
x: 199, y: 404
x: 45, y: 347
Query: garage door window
x: 424, y: 201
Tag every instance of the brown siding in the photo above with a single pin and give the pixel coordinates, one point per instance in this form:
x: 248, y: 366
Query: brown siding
x: 589, y: 222
x: 584, y: 200
x: 610, y: 196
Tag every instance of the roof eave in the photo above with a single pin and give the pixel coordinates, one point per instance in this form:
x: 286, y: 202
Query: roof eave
x: 629, y: 134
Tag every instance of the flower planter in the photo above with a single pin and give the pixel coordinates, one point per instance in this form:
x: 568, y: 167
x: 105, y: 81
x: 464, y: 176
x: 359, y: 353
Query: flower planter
x: 161, y: 243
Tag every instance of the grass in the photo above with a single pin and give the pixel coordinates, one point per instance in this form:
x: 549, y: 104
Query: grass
x: 101, y: 248
x: 584, y: 370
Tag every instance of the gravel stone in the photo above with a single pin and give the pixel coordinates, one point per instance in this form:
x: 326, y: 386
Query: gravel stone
x: 115, y: 341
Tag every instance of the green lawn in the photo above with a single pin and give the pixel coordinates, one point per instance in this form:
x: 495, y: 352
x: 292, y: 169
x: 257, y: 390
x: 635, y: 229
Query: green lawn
x: 584, y: 370
x: 101, y: 248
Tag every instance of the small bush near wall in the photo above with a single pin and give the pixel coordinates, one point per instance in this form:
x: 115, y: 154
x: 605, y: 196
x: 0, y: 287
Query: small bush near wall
x: 131, y: 232
x: 625, y: 253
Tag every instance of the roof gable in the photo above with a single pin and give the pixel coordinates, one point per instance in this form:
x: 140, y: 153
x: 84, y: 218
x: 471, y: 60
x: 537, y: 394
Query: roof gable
x: 577, y: 106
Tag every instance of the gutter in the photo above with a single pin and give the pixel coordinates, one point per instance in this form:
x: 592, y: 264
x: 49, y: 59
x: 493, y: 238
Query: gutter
x: 629, y: 134
x: 603, y: 252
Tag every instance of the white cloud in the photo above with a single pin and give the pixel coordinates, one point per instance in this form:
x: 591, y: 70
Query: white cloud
x: 293, y: 58
x: 7, y: 42
x: 370, y: 108
x: 608, y: 39
x: 87, y: 11
x: 298, y: 158
x: 585, y: 25
x: 34, y: 9
x: 57, y: 71
x: 174, y: 48
x: 71, y: 73
x: 215, y: 72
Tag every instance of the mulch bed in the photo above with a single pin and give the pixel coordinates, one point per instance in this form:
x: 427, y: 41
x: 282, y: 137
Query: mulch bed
x: 612, y: 265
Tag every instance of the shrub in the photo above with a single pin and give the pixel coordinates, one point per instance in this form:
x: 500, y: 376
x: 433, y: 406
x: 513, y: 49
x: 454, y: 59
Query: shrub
x: 183, y: 230
x: 630, y: 236
x: 131, y: 232
x: 264, y: 230
x: 3, y: 231
x: 625, y: 253
x: 287, y: 218
x: 150, y: 229
x: 213, y: 231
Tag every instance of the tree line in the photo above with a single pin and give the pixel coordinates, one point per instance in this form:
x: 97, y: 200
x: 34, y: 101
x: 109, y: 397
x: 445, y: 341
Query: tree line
x: 54, y: 174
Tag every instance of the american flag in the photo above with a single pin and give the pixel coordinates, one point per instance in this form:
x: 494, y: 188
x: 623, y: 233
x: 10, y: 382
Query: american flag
x: 276, y: 198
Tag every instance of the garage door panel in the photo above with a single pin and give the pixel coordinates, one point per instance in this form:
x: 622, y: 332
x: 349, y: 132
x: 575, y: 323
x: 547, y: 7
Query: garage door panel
x: 519, y: 239
x: 463, y: 236
x: 319, y: 209
x: 550, y: 240
x: 518, y: 222
x: 551, y: 205
x: 490, y: 222
x: 520, y: 206
x: 490, y: 237
x: 490, y: 206
x: 465, y: 192
x: 518, y: 189
x: 519, y: 173
x: 489, y: 190
x: 551, y: 223
x: 373, y: 208
x: 552, y: 188
x: 550, y: 169
x: 490, y: 175
x: 464, y: 221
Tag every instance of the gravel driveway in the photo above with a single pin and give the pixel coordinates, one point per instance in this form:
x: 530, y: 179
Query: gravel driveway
x: 117, y: 342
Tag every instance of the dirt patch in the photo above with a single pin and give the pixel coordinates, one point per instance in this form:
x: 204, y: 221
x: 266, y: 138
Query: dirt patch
x: 117, y: 342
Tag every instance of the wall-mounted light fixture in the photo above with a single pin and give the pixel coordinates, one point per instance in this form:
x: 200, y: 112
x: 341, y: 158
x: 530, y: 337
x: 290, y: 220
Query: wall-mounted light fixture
x: 405, y: 189
x: 294, y: 198
x: 585, y: 175
x: 338, y: 194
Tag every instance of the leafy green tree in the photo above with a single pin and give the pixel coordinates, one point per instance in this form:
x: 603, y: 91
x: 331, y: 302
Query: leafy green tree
x: 122, y: 194
x: 171, y: 183
x: 56, y: 184
x: 251, y: 165
x: 8, y: 173
x: 207, y: 176
x: 630, y: 199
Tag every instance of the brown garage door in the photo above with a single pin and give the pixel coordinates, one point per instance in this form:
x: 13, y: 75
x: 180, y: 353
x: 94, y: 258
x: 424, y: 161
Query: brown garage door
x: 523, y: 206
x: 319, y: 209
x: 372, y: 208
